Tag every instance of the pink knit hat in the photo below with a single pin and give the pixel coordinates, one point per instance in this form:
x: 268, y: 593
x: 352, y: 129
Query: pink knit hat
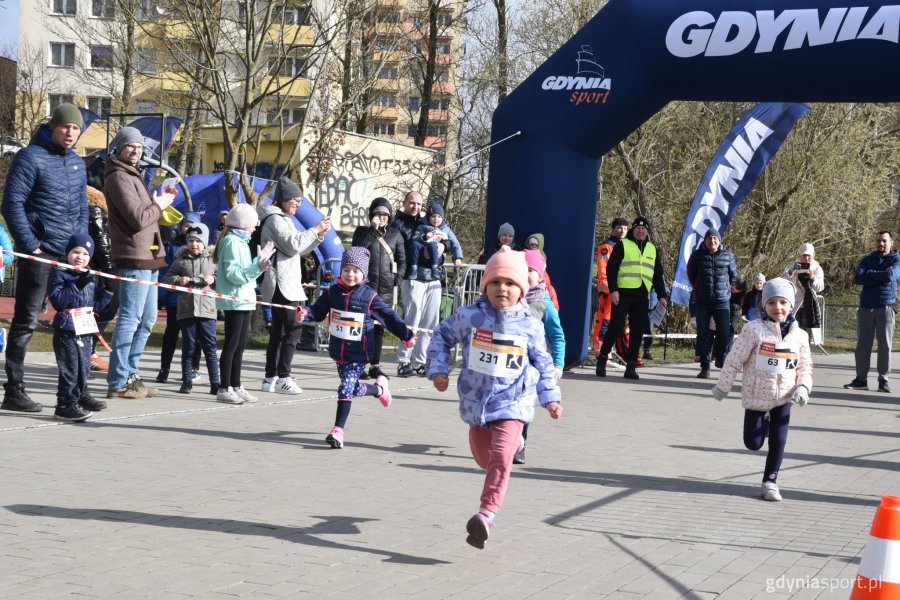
x: 536, y: 262
x: 507, y: 263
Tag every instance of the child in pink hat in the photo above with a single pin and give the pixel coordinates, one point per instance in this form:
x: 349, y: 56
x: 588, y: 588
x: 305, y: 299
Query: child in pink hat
x: 505, y: 368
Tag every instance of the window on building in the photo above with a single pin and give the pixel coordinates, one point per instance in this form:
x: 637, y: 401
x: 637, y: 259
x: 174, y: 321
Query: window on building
x: 146, y: 61
x: 384, y: 128
x: 388, y: 72
x: 102, y: 105
x: 287, y: 116
x: 65, y: 7
x: 414, y: 103
x: 386, y: 101
x: 440, y: 103
x: 444, y: 20
x: 291, y: 66
x: 54, y: 100
x: 295, y: 14
x: 62, y: 55
x: 386, y: 44
x: 416, y: 48
x: 442, y: 76
x: 147, y: 11
x: 418, y: 21
x: 443, y: 48
x: 103, y: 9
x: 436, y: 131
x: 145, y: 106
x: 388, y: 17
x: 411, y: 130
x: 101, y: 57
x: 242, y: 13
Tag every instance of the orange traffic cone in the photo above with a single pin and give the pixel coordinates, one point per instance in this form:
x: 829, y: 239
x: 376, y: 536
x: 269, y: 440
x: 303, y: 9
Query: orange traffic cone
x: 879, y: 570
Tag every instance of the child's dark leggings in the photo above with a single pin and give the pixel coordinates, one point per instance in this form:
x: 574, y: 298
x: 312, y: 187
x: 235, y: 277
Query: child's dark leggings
x: 237, y: 331
x: 757, y: 428
x: 350, y: 388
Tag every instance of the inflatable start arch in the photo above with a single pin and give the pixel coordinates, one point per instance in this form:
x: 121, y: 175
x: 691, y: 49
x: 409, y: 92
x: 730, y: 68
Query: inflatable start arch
x: 628, y: 62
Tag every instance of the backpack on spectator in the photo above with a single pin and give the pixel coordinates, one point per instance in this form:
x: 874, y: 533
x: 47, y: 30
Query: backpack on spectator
x: 256, y: 237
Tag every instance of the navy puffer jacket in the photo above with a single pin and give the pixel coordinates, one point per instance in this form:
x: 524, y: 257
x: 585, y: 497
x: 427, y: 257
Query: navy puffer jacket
x: 45, y: 200
x: 712, y: 275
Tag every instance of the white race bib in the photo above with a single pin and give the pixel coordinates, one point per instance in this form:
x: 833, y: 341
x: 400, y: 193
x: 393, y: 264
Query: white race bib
x: 497, y: 354
x: 346, y: 325
x: 778, y: 358
x: 83, y: 320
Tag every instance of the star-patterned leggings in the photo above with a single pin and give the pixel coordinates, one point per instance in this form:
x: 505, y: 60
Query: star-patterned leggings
x: 350, y: 388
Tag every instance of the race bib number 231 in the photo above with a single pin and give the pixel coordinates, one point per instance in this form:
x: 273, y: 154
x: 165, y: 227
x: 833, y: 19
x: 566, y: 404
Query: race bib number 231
x: 497, y: 354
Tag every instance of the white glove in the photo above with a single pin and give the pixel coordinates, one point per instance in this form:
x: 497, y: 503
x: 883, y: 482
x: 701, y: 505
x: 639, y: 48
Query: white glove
x: 264, y: 264
x: 718, y: 394
x: 800, y: 396
x: 266, y: 252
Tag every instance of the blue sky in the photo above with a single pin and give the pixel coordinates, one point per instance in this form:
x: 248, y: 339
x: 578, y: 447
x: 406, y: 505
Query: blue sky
x: 9, y: 22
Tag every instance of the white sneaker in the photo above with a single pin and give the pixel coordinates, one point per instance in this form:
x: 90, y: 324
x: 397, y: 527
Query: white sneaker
x: 268, y: 384
x: 228, y: 396
x: 770, y: 492
x: 244, y: 395
x: 287, y: 385
x: 197, y: 377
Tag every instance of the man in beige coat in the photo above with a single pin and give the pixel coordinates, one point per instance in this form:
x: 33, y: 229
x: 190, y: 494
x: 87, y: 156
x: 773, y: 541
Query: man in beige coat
x: 283, y: 283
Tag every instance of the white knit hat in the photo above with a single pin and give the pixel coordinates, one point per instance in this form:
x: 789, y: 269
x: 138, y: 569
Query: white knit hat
x: 242, y: 216
x: 779, y: 287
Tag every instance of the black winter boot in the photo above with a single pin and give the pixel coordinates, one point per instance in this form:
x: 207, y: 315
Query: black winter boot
x: 600, y: 370
x: 186, y: 387
x: 631, y: 371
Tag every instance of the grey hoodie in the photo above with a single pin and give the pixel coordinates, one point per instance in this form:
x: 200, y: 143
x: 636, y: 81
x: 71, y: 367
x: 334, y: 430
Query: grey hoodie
x: 290, y: 245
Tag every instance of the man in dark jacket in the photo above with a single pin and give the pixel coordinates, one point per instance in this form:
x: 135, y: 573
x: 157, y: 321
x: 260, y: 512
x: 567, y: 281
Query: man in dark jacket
x: 712, y: 271
x: 634, y: 267
x: 44, y: 204
x: 387, y: 262
x: 877, y: 273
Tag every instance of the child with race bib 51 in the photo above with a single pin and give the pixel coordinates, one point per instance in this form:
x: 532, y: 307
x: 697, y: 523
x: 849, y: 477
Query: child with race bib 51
x: 773, y: 352
x: 505, y: 368
x: 351, y: 305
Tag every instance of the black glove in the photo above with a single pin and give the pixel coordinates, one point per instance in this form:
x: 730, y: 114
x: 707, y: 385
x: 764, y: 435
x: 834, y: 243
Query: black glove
x: 83, y: 280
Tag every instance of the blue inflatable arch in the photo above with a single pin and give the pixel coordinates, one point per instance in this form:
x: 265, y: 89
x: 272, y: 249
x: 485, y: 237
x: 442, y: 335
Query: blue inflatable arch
x: 626, y: 64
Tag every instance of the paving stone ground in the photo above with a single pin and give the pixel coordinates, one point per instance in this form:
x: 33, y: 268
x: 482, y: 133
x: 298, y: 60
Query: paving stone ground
x: 642, y: 490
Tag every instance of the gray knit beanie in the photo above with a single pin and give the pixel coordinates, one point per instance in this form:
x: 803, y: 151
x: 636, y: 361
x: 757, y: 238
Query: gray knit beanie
x: 778, y: 287
x: 286, y: 190
x: 127, y: 135
x: 242, y: 216
x: 506, y: 229
x: 198, y: 231
x: 66, y: 113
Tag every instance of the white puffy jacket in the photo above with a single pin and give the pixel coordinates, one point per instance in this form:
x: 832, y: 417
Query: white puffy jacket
x: 761, y: 390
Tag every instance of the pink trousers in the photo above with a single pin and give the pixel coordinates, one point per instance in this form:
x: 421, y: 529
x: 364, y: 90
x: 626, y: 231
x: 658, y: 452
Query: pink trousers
x: 493, y: 449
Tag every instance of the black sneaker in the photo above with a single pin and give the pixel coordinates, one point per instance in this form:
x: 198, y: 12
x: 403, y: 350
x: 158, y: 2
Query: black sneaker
x: 856, y: 384
x: 631, y: 371
x: 214, y: 388
x: 421, y: 371
x: 15, y: 398
x: 600, y: 369
x: 519, y: 458
x: 883, y: 386
x: 703, y: 374
x: 363, y: 376
x: 72, y: 412
x: 376, y: 372
x: 404, y: 370
x: 162, y: 376
x: 187, y: 386
x: 90, y: 403
x: 647, y: 356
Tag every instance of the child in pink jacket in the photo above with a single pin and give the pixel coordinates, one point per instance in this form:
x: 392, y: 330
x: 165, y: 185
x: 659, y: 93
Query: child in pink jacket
x: 773, y: 352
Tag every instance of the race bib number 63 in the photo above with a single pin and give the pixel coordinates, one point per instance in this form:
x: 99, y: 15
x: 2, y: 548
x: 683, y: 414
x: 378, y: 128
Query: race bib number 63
x: 777, y: 358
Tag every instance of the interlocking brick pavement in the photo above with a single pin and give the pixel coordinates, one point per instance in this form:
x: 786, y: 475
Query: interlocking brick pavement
x: 642, y: 490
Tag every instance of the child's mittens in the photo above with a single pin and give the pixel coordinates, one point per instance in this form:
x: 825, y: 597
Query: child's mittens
x: 558, y: 371
x: 410, y: 342
x: 718, y: 393
x: 84, y: 279
x: 800, y: 396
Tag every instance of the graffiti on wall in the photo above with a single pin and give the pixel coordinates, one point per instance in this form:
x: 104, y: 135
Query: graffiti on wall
x: 365, y: 169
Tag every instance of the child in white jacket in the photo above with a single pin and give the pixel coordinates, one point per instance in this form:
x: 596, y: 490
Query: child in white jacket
x: 773, y: 352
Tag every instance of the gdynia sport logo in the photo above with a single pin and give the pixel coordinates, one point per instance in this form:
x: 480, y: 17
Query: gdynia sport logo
x: 699, y: 32
x: 589, y: 85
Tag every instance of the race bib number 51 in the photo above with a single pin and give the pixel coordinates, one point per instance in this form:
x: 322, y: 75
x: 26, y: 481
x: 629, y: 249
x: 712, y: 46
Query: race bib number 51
x: 346, y: 325
x: 497, y: 354
x: 777, y: 358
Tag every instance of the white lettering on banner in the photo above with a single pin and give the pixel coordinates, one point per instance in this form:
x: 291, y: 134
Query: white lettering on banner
x: 732, y: 32
x: 565, y: 82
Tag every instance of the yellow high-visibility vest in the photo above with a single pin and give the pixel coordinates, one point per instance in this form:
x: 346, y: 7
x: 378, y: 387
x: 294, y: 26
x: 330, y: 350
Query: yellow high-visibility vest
x: 636, y: 267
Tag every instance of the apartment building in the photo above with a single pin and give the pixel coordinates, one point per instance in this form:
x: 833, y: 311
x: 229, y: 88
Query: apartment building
x: 136, y: 56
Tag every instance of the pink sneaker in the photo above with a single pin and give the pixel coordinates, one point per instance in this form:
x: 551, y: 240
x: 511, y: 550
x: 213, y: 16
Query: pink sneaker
x: 385, y: 397
x: 479, y: 527
x: 336, y: 437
